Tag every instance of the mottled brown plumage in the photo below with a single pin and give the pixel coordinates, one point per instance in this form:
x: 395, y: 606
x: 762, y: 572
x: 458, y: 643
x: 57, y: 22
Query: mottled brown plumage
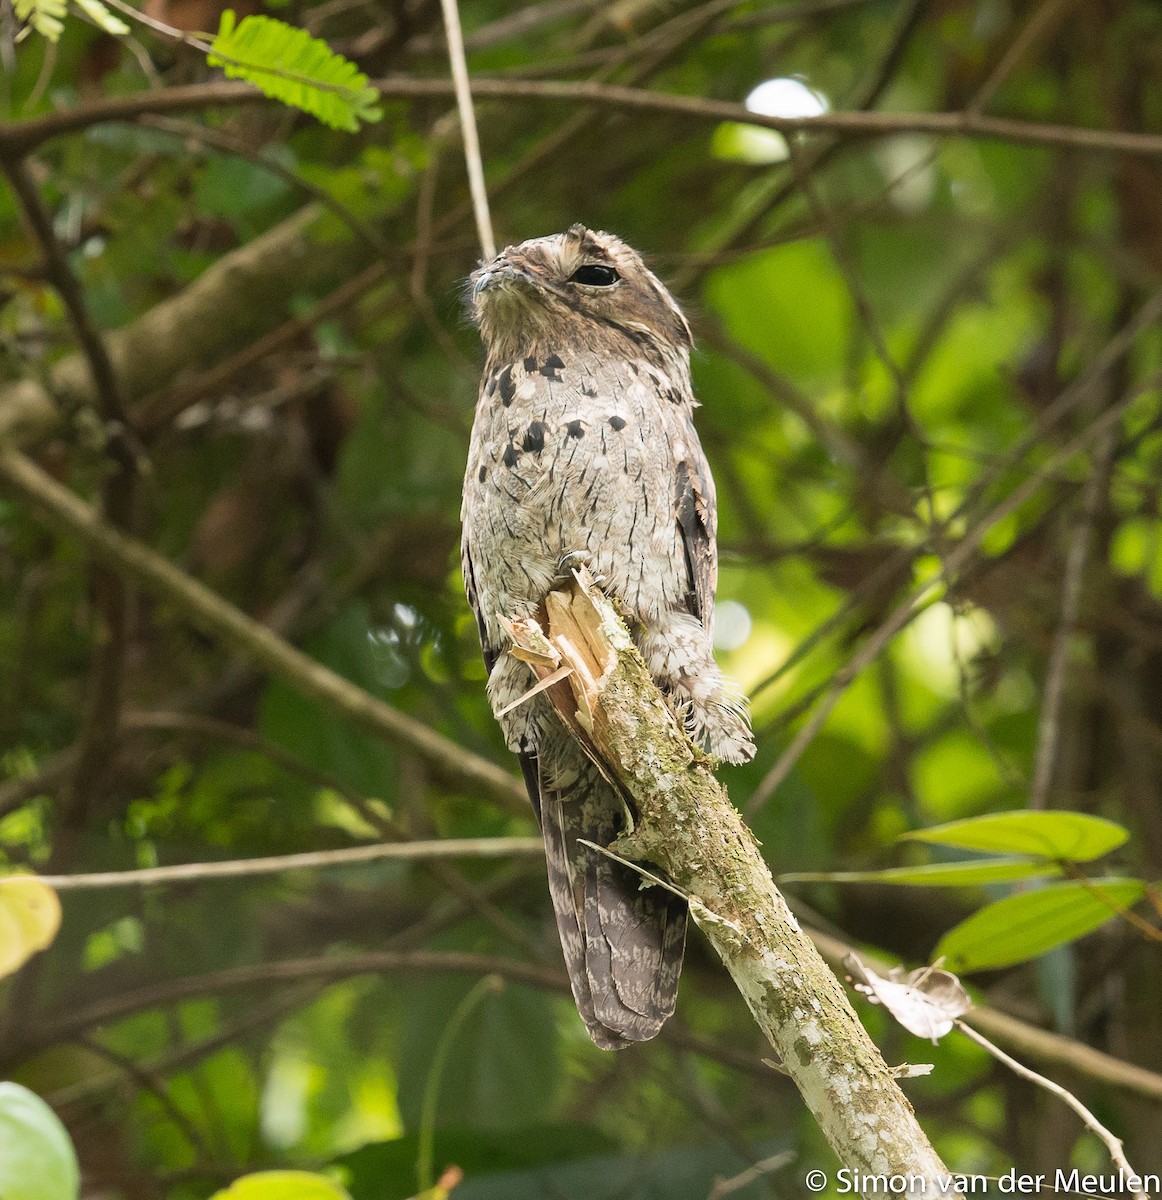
x: 584, y: 450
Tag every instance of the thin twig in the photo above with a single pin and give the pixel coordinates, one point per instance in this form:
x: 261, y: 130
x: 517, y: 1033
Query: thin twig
x: 20, y: 137
x: 112, y: 602
x: 1112, y: 1144
x: 930, y: 592
x: 147, y: 1081
x: 476, y: 183
x: 1044, y: 18
x: 218, y: 140
x: 486, y: 847
x: 1076, y: 561
x: 727, y: 1187
x: 64, y: 510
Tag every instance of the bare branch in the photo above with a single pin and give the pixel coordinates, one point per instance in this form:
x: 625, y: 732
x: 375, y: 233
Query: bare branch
x: 1052, y: 1049
x: 65, y: 512
x: 19, y: 137
x: 490, y: 847
x: 1112, y: 1144
x: 468, y: 132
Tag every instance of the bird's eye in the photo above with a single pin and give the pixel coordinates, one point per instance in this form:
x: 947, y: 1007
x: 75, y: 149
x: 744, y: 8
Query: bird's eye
x: 594, y: 275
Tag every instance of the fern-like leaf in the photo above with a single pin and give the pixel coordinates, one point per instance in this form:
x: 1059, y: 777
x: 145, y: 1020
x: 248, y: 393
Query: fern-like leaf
x: 288, y: 64
x: 45, y: 16
x: 102, y: 17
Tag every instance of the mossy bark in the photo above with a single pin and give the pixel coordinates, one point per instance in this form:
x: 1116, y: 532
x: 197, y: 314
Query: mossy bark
x: 686, y: 825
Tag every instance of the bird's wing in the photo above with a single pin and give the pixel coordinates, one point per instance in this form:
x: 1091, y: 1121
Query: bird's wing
x: 696, y: 508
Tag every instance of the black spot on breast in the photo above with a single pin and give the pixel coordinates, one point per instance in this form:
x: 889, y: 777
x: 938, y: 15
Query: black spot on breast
x: 617, y: 424
x: 511, y: 456
x: 673, y: 395
x: 530, y: 364
x: 534, y: 437
x: 482, y: 474
x: 551, y: 366
x: 575, y: 429
x: 507, y: 387
x: 588, y: 388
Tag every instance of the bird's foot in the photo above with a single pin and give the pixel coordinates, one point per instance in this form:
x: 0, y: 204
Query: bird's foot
x: 574, y: 560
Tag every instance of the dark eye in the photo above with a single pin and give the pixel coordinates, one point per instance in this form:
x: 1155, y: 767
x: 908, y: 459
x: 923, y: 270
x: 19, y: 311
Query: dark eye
x: 594, y: 275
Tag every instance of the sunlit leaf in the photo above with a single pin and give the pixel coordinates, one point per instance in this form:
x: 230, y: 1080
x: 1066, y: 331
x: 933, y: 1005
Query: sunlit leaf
x: 1026, y: 925
x: 45, y: 16
x: 288, y: 64
x: 1070, y: 836
x: 30, y: 915
x: 282, y: 1185
x: 37, y: 1161
x: 102, y: 17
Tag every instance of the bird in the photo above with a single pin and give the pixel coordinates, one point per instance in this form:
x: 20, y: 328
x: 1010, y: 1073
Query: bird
x: 584, y: 452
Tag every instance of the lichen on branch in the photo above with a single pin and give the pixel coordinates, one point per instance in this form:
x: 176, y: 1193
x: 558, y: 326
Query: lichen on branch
x: 685, y: 825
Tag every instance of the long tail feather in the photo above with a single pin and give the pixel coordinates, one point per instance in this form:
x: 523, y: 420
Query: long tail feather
x: 623, y: 944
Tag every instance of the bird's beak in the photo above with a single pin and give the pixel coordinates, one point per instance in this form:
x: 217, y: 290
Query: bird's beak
x: 485, y: 279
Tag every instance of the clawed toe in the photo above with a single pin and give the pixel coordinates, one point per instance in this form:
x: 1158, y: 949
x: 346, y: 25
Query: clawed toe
x: 574, y: 560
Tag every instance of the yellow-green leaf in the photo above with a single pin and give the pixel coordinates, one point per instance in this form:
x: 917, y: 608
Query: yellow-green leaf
x: 102, y: 17
x: 1069, y: 836
x: 37, y: 1160
x: 1026, y: 925
x: 45, y: 16
x: 30, y: 915
x: 287, y: 64
x: 282, y: 1185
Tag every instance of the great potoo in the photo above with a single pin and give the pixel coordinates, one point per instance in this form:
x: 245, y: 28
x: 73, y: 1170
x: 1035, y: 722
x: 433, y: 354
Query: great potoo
x: 584, y: 451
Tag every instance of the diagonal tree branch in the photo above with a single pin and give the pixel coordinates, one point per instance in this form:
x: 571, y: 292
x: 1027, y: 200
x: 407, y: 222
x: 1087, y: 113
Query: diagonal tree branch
x: 65, y: 512
x: 243, y: 291
x: 685, y: 824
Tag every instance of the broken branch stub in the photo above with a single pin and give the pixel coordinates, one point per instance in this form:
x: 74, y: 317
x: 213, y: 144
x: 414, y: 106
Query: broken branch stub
x: 686, y: 825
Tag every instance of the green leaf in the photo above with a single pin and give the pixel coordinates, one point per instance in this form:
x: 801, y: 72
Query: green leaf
x: 1026, y: 925
x: 387, y: 1170
x: 103, y: 18
x: 1068, y: 836
x: 959, y: 874
x: 45, y: 16
x: 492, y: 1085
x: 282, y: 1185
x: 37, y: 1161
x: 532, y: 1162
x: 288, y: 64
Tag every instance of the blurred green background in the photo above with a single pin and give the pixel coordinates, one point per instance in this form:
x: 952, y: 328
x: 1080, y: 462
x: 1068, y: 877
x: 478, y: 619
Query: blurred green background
x: 886, y: 329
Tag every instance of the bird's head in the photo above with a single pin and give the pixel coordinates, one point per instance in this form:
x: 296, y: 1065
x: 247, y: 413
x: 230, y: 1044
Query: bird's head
x: 580, y: 287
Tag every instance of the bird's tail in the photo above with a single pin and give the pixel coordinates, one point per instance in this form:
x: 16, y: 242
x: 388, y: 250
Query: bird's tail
x: 623, y: 942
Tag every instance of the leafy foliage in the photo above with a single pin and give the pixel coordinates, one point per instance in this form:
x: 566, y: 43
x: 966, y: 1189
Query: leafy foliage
x: 902, y: 342
x: 1030, y: 923
x: 45, y: 16
x: 289, y: 65
x: 37, y: 1161
x: 30, y: 915
x: 1066, y: 836
x: 282, y: 1185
